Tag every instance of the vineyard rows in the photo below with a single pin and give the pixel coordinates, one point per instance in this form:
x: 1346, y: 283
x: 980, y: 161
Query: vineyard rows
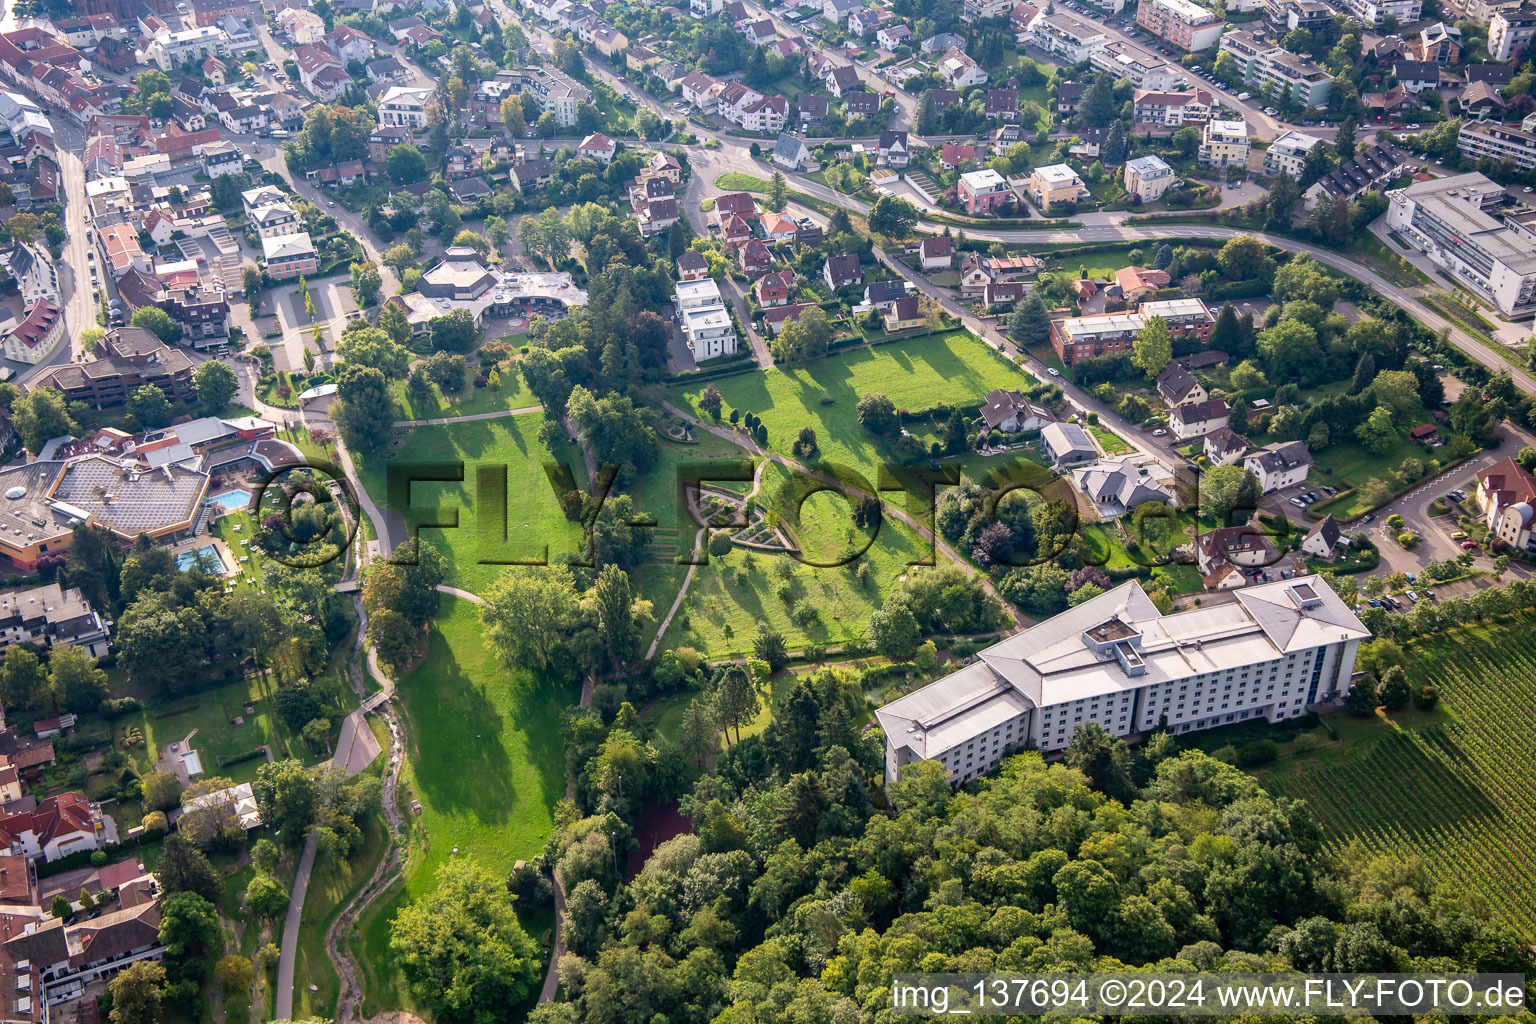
x: 1460, y: 795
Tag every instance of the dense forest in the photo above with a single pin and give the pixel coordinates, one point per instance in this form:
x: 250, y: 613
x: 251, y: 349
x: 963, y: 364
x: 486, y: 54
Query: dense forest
x: 800, y: 892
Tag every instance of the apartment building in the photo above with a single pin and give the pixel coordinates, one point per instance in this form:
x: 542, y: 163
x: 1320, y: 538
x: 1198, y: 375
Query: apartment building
x: 403, y: 105
x: 983, y: 191
x: 126, y: 358
x: 49, y: 615
x: 288, y: 256
x: 1267, y: 66
x: 1373, y: 12
x: 1183, y: 23
x: 1490, y: 140
x: 705, y: 321
x: 1083, y: 337
x: 1184, y: 317
x: 1224, y: 143
x: 1288, y: 153
x: 1279, y: 465
x: 1141, y: 67
x: 1148, y: 177
x: 1452, y: 220
x: 1055, y: 185
x: 557, y: 93
x: 1072, y: 40
x: 1170, y: 109
x: 1274, y: 650
x: 1510, y: 31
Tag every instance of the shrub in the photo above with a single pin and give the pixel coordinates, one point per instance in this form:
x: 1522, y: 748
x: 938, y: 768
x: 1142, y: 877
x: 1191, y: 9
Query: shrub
x: 719, y: 544
x: 1258, y: 752
x: 1426, y: 697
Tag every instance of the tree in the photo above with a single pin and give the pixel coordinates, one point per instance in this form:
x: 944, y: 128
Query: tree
x: 267, y: 897
x: 461, y: 947
x: 61, y: 907
x: 698, y: 730
x: 1395, y: 691
x: 366, y: 282
x: 1104, y: 759
x: 23, y: 682
x: 136, y: 993
x: 710, y: 402
x: 1246, y: 376
x: 877, y: 414
x: 613, y: 601
x: 1227, y: 332
x: 189, y: 926
x: 78, y: 685
x: 1397, y: 391
x: 1245, y: 258
x: 1153, y: 349
x: 158, y: 321
x: 527, y: 611
x: 769, y: 646
x: 892, y: 216
x: 1114, y: 149
x: 1225, y: 490
x: 778, y: 192
x: 1344, y: 141
x: 455, y: 332
x: 233, y: 973
x: 161, y: 790
x: 1377, y: 433
x: 895, y: 632
x: 182, y: 867
x: 364, y: 409
x: 288, y: 798
x: 405, y: 165
x: 1284, y: 194
x: 1164, y: 258
x: 215, y: 384
x: 735, y: 698
x: 371, y: 346
x: 1030, y: 323
x: 149, y: 405
x: 1363, y: 697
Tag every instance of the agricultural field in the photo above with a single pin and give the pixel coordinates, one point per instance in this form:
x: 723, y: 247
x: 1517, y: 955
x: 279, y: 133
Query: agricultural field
x: 1455, y: 788
x: 951, y: 367
x: 487, y: 764
x: 482, y: 542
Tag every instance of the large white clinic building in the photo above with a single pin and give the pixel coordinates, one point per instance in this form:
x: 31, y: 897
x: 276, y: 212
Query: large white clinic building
x: 1116, y: 660
x: 1456, y: 222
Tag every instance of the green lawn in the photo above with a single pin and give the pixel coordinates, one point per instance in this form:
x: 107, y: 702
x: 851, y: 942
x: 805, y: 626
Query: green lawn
x: 487, y: 763
x: 483, y: 540
x: 736, y: 181
x: 953, y: 367
x: 1352, y: 466
x: 719, y: 615
x: 1111, y: 442
x: 513, y: 394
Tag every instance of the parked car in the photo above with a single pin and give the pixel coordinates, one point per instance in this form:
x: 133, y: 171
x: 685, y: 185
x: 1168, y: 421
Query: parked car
x: 1459, y: 535
x: 1053, y: 371
x: 1468, y: 545
x: 1413, y: 597
x: 1368, y: 517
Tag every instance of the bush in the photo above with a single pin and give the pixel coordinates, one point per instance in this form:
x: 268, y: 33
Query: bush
x: 1426, y: 697
x: 119, y: 706
x: 1408, y: 538
x: 1258, y: 752
x: 155, y: 823
x: 719, y: 544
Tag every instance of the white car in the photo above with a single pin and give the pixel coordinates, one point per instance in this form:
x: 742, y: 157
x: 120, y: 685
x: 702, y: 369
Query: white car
x: 1159, y: 432
x: 1053, y: 371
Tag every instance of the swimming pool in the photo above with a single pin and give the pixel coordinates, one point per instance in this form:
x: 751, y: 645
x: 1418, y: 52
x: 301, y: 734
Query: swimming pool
x: 192, y: 762
x: 230, y: 499
x: 209, y: 556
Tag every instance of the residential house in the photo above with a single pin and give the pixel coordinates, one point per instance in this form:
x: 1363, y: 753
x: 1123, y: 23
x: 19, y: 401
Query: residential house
x: 903, y: 315
x: 599, y: 147
x: 983, y: 191
x: 1012, y: 413
x: 1224, y: 447
x: 1324, y: 540
x: 59, y: 826
x: 1288, y: 153
x: 843, y: 80
x: 776, y: 227
x: 892, y: 37
x: 532, y: 174
x: 1223, y: 553
x: 1417, y: 75
x: 1003, y: 105
x: 936, y: 252
x: 1003, y: 294
x: 37, y: 335
x: 1506, y: 496
x: 1165, y: 109
x: 700, y: 90
x: 1083, y: 337
x: 812, y: 109
x: 1371, y: 168
x: 1148, y: 178
x: 1067, y: 445
x: 1177, y: 386
x: 692, y: 266
x: 1061, y: 36
x: 1056, y: 185
x: 882, y: 295
x: 321, y: 72
x: 1117, y: 486
x: 842, y: 271
x: 959, y: 70
x: 304, y: 27
x: 893, y: 149
x: 288, y: 256
x: 1279, y: 465
x: 790, y: 152
x: 1136, y: 282
x: 404, y: 105
x: 755, y: 258
x: 774, y: 319
x: 953, y: 156
x: 773, y: 289
x: 760, y: 33
x: 349, y: 44
x: 1196, y: 419
x: 862, y: 104
x: 705, y: 321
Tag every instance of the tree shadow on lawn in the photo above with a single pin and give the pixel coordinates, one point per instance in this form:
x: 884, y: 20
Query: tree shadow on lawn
x: 465, y: 768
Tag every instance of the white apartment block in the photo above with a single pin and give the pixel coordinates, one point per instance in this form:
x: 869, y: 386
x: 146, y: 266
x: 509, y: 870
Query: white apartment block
x: 1171, y: 109
x: 1275, y: 649
x: 1452, y: 221
x: 1148, y: 177
x: 1141, y: 67
x: 1181, y: 22
x: 1072, y: 40
x: 1509, y: 31
x: 171, y: 50
x: 403, y: 105
x: 1372, y: 12
x: 1288, y: 153
x: 1490, y: 140
x: 705, y: 321
x: 557, y: 93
